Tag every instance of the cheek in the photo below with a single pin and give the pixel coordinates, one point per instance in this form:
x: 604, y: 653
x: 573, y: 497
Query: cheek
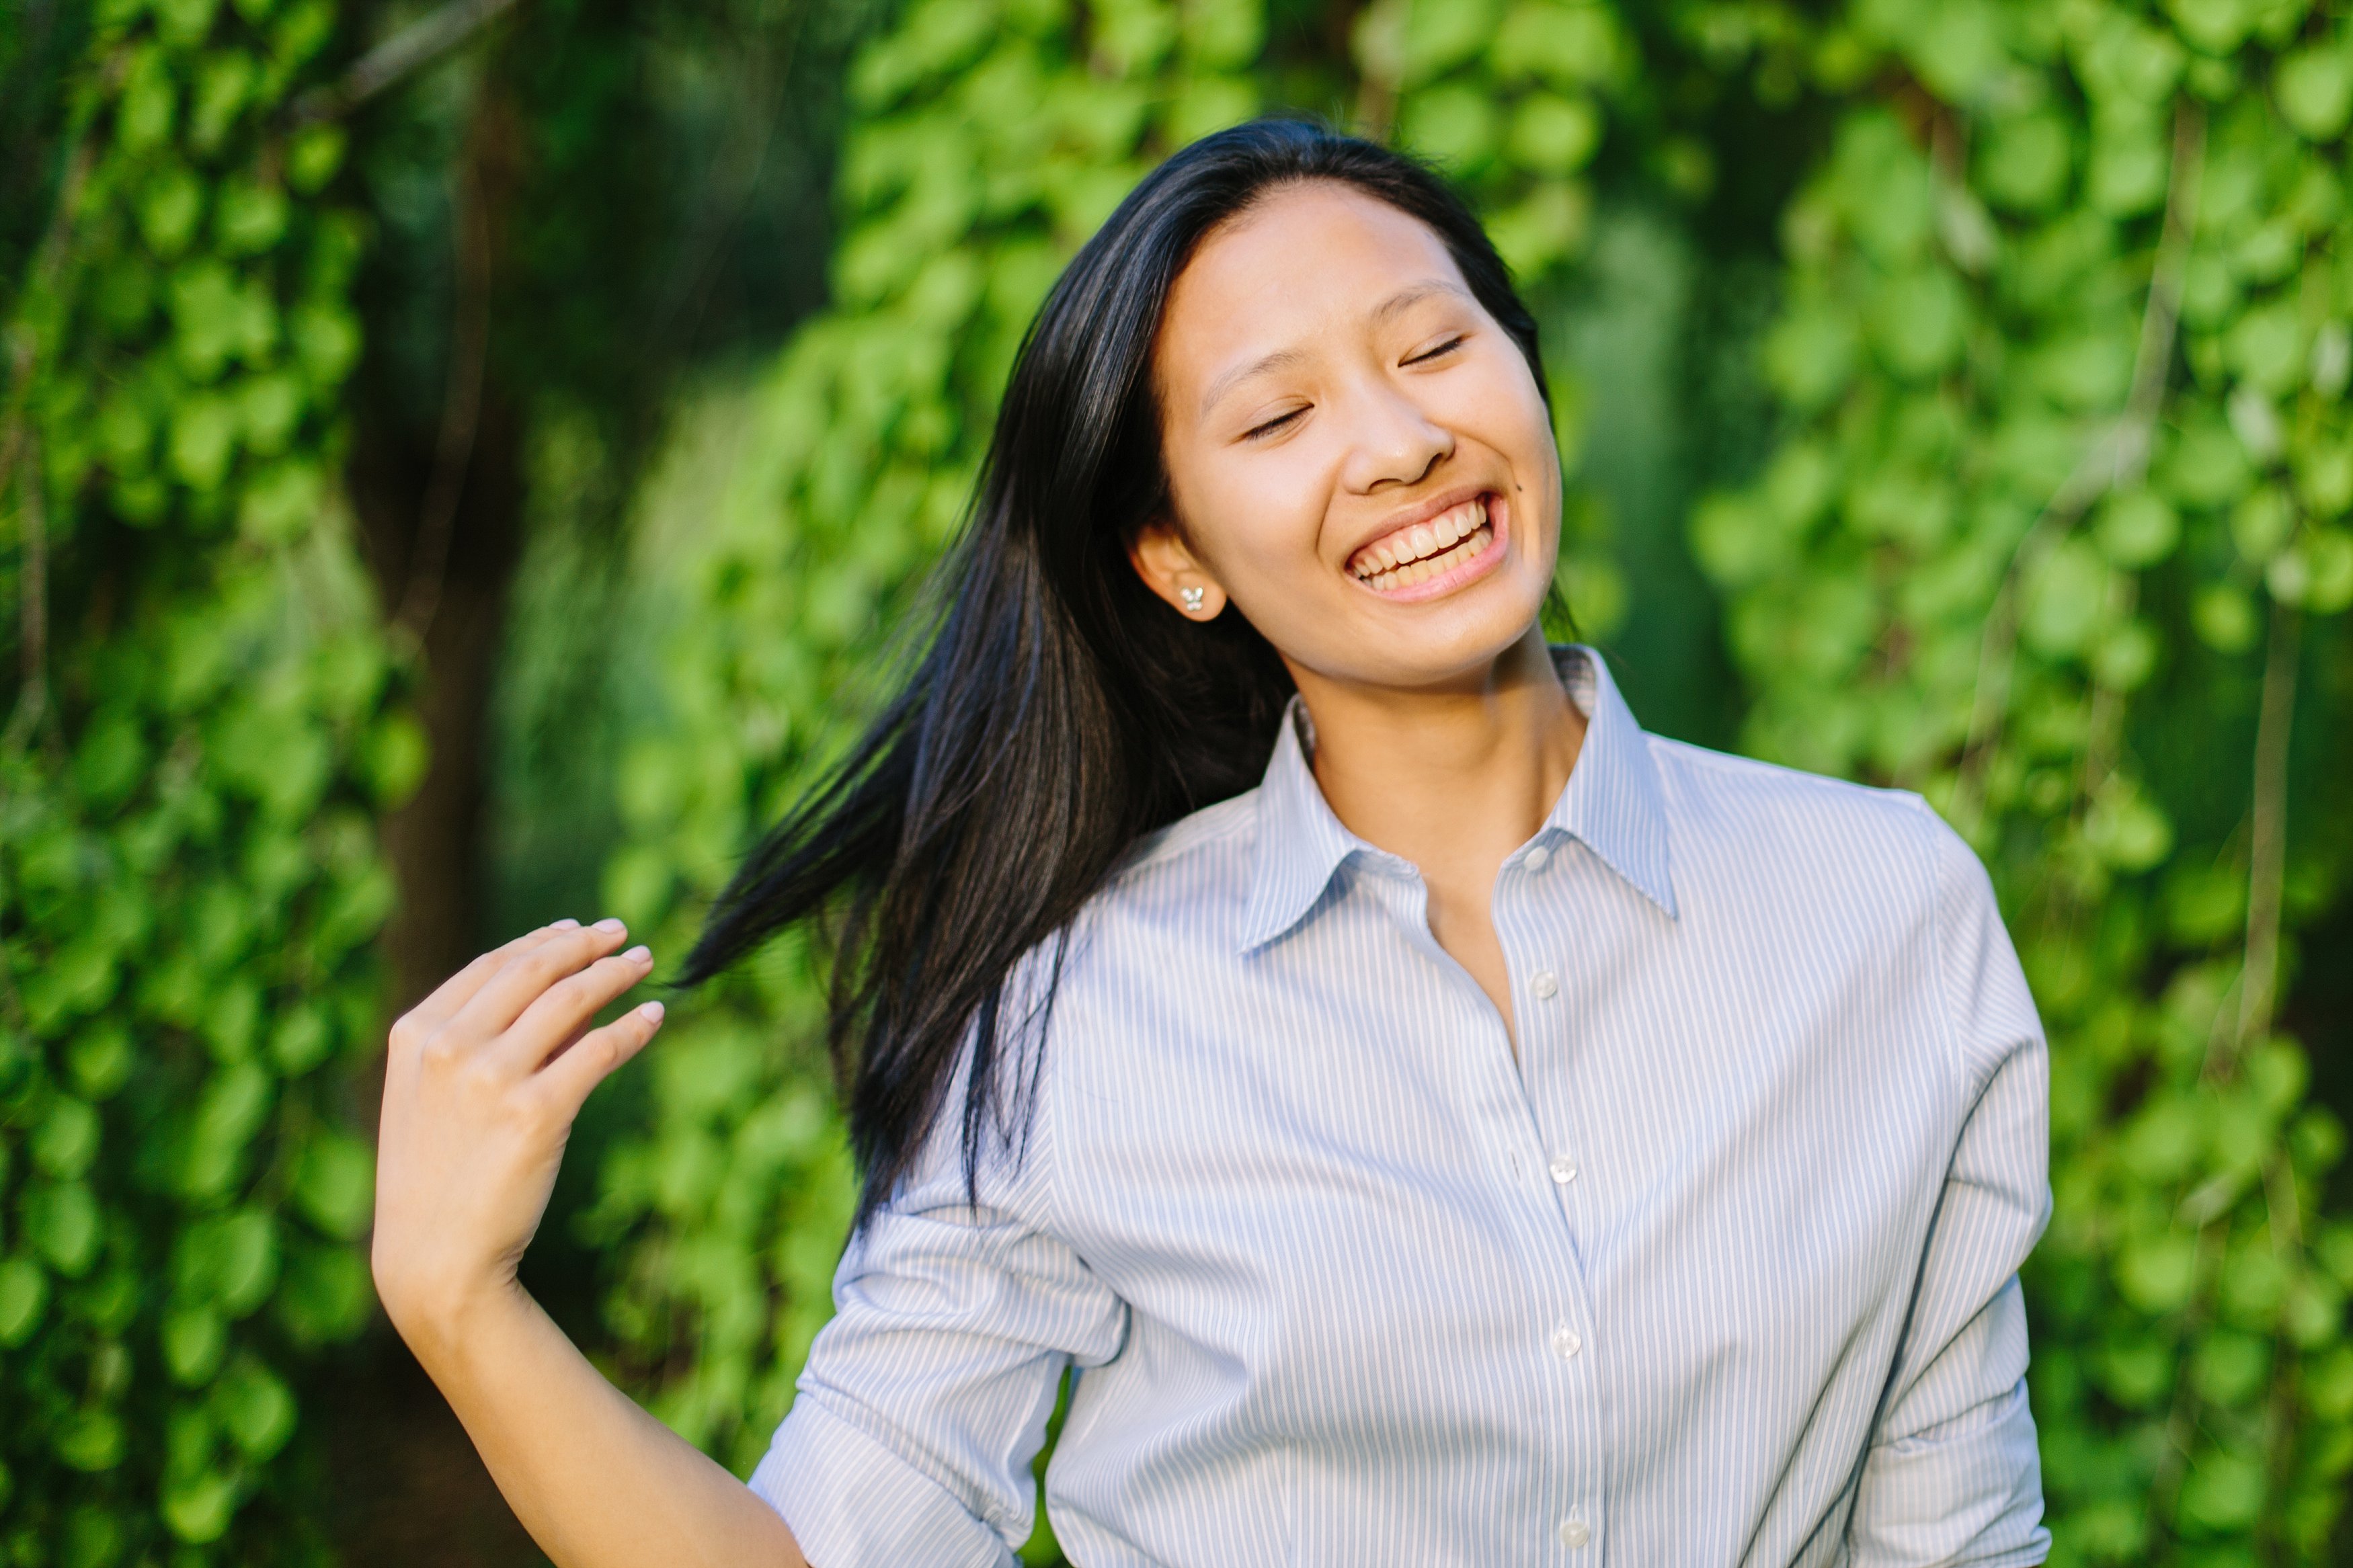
x: 1253, y: 515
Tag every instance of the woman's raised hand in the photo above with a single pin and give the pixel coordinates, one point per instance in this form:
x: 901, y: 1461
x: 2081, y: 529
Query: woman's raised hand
x: 482, y: 1085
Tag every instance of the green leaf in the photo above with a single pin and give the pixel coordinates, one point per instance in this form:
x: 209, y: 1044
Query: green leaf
x: 65, y: 1226
x: 223, y: 83
x: 197, y: 1508
x: 1555, y: 135
x: 89, y: 1440
x: 24, y: 1291
x: 1918, y: 321
x: 2157, y: 1274
x: 2224, y: 619
x: 2224, y: 1492
x: 228, y: 1114
x: 336, y: 1184
x: 2217, y: 27
x: 1437, y: 38
x: 2129, y: 167
x: 67, y: 1140
x: 2138, y: 1373
x: 2269, y: 347
x: 2261, y: 524
x: 2314, y: 87
x: 2233, y: 1369
x: 1809, y: 356
x: 230, y: 1261
x: 312, y: 157
x: 2025, y: 161
x: 326, y: 1294
x: 184, y: 22
x: 143, y: 115
x: 301, y: 1040
x: 282, y: 503
x: 255, y: 1408
x: 2137, y: 529
x: 193, y: 1339
x: 1455, y: 125
x: 169, y: 213
x: 2066, y: 595
x: 250, y: 219
x: 204, y: 440
x: 326, y: 343
x: 1567, y: 45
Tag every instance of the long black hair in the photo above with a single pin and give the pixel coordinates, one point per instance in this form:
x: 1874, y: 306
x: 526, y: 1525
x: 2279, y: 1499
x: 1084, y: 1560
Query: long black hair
x: 1061, y: 709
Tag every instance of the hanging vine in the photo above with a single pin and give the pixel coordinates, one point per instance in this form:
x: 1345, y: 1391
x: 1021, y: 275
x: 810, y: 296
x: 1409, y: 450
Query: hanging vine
x: 2064, y: 349
x: 195, y: 750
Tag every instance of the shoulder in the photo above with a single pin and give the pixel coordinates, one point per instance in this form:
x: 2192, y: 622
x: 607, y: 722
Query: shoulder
x: 1874, y: 871
x: 1827, y: 832
x: 1199, y: 860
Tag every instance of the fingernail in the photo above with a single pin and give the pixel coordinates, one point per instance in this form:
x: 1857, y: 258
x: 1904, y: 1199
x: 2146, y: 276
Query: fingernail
x: 567, y: 923
x: 610, y: 924
x: 639, y: 956
x: 651, y: 1012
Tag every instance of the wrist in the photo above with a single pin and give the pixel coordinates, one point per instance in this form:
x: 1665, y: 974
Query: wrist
x: 440, y: 1318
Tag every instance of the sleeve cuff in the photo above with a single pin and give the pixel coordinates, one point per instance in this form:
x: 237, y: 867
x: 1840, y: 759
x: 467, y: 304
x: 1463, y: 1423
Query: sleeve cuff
x: 850, y: 1502
x: 1971, y: 1492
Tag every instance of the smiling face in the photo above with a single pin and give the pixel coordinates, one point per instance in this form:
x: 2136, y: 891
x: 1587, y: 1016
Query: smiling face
x: 1357, y: 453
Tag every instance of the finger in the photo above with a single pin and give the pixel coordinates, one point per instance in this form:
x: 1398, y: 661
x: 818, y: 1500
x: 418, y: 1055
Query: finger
x: 565, y: 1009
x: 568, y: 1078
x: 460, y: 988
x: 526, y: 975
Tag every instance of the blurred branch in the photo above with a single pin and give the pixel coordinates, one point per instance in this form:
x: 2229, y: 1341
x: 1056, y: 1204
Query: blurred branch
x: 403, y: 55
x: 2267, y: 841
x: 2117, y: 460
x: 1380, y: 38
x: 33, y: 631
x: 20, y: 444
x: 769, y: 66
x: 461, y: 403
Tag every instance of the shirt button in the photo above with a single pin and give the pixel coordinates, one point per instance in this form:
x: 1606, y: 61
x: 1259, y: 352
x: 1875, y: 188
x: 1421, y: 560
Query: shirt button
x: 1564, y: 1169
x: 1565, y: 1343
x: 1545, y: 984
x: 1536, y: 858
x: 1573, y: 1531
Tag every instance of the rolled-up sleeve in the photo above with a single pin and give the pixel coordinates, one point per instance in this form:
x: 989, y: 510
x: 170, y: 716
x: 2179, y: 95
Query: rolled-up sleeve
x: 924, y: 1401
x: 1953, y: 1475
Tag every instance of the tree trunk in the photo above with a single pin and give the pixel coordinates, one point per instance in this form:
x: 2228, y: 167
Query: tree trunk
x: 441, y: 523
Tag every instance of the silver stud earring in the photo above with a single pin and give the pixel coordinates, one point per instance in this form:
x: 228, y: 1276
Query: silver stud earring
x: 1191, y: 598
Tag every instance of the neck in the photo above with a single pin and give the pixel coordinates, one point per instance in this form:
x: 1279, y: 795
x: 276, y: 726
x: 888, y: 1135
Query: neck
x: 1454, y: 778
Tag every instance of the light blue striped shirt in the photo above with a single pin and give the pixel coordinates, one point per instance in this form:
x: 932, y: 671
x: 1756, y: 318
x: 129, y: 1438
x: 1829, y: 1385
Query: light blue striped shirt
x: 1722, y: 1267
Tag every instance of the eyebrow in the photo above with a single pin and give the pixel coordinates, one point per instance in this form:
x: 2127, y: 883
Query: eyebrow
x: 1387, y: 311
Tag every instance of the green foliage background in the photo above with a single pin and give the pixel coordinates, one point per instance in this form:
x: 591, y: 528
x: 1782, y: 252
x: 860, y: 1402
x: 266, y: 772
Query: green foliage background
x: 2057, y: 537
x: 2045, y: 517
x: 196, y: 752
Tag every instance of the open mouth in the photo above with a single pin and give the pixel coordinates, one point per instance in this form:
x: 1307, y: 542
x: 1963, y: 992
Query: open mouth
x: 1425, y: 550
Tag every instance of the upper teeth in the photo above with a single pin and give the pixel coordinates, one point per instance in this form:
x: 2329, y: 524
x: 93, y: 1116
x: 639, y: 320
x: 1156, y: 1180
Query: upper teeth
x: 1443, y: 531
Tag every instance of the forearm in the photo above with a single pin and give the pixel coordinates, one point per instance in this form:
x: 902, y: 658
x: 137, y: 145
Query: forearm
x: 597, y: 1481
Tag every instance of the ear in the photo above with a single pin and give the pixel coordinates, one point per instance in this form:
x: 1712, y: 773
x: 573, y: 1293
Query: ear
x: 1169, y: 569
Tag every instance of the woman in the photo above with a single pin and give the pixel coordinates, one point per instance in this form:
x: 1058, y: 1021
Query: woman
x: 1440, y: 1123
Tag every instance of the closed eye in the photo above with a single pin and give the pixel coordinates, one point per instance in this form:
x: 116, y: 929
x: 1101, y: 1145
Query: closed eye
x: 1448, y: 347
x: 1260, y: 432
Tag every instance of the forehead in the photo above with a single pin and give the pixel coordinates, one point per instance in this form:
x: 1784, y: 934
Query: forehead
x: 1306, y: 259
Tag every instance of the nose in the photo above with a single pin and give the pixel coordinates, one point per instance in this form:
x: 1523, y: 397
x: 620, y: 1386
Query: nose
x: 1392, y: 440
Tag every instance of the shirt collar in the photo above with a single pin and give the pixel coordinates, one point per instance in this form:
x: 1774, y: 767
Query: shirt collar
x: 1613, y: 805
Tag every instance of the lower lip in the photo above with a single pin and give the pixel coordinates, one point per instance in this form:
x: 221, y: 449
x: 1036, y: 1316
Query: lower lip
x: 1461, y: 577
